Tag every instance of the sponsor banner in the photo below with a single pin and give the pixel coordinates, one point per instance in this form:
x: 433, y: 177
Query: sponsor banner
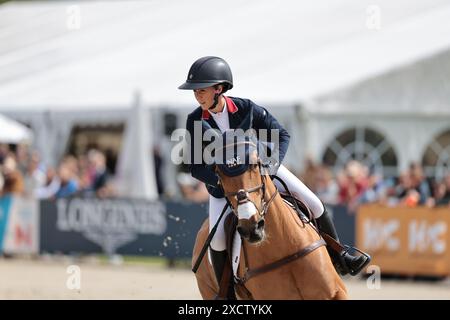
x: 410, y: 241
x: 344, y: 222
x: 19, y: 225
x: 5, y: 204
x: 123, y: 226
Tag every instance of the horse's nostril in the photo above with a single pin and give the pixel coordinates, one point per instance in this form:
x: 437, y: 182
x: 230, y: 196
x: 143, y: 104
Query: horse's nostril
x: 261, y: 223
x: 242, y: 231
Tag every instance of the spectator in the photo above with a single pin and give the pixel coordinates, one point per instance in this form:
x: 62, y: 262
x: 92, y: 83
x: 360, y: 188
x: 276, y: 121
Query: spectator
x: 34, y: 176
x: 387, y: 192
x: 326, y: 187
x: 404, y: 192
x: 13, y: 179
x: 353, y: 182
x: 69, y: 185
x: 101, y: 180
x: 443, y: 192
x: 51, y: 186
x: 85, y: 176
x: 310, y: 174
x: 419, y: 183
x: 72, y: 164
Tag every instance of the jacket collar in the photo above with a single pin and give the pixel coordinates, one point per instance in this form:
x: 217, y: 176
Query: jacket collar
x: 230, y: 106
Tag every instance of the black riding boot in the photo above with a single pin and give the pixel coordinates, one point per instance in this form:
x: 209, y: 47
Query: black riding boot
x: 344, y: 264
x: 218, y: 259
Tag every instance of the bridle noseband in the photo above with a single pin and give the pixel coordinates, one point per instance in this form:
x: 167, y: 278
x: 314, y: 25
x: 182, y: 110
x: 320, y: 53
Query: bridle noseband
x: 242, y: 197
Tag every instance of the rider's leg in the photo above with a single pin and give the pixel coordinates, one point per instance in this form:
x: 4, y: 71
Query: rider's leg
x: 218, y: 242
x: 324, y: 221
x: 218, y: 247
x: 351, y: 263
x: 299, y: 190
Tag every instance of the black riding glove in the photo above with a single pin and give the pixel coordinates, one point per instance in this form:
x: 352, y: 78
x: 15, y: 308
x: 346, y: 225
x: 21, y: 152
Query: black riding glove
x: 270, y: 166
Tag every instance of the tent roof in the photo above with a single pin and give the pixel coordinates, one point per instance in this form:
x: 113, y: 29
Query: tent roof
x: 419, y: 89
x: 279, y: 54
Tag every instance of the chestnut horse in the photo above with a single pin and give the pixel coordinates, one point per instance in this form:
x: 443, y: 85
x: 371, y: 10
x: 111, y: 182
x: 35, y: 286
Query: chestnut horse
x: 282, y: 258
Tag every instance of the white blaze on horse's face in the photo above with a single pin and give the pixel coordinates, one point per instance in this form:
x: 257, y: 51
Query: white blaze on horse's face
x: 246, y: 210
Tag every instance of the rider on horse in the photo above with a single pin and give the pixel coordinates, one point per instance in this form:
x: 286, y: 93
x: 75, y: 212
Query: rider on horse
x: 210, y: 77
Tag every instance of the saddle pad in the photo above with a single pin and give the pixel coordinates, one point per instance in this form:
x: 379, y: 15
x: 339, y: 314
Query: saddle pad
x: 236, y: 252
x: 233, y: 241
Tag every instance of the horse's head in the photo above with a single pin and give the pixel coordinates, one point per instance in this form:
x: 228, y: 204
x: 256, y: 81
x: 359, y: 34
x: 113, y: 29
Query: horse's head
x: 241, y: 176
x: 245, y: 192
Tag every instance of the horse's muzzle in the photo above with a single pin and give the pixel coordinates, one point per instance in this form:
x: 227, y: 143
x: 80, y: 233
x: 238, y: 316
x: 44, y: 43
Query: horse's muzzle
x: 253, y: 233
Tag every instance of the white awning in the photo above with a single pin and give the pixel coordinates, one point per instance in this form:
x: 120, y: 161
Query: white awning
x: 12, y: 131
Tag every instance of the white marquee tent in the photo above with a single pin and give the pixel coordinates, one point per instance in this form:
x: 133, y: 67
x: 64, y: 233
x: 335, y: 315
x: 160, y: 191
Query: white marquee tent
x: 94, y: 55
x: 54, y: 55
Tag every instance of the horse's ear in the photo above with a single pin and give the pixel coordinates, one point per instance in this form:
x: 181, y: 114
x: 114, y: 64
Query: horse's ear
x: 247, y: 123
x: 253, y: 158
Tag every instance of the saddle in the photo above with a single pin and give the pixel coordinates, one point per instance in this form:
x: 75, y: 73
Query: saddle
x: 353, y: 264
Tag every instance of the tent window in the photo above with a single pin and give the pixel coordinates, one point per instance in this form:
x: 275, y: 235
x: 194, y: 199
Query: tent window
x: 436, y: 159
x: 362, y: 144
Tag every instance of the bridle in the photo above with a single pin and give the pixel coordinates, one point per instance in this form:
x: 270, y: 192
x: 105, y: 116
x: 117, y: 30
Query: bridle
x: 242, y: 197
x: 242, y: 194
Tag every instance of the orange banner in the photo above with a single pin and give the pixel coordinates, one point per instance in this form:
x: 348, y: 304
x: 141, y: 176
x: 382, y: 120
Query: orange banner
x: 406, y: 241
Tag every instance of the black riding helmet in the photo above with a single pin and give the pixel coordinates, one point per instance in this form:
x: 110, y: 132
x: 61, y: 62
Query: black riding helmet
x: 208, y: 71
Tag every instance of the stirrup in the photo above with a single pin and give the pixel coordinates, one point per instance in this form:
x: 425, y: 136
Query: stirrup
x: 354, y: 272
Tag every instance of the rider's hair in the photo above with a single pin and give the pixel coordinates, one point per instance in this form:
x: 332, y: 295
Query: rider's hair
x: 224, y: 85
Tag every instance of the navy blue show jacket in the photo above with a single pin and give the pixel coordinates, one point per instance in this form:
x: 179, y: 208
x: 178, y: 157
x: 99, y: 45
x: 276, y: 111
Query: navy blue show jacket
x: 238, y: 109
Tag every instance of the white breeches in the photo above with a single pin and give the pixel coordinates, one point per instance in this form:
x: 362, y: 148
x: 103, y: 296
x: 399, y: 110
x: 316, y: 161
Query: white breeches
x: 294, y: 184
x: 299, y: 190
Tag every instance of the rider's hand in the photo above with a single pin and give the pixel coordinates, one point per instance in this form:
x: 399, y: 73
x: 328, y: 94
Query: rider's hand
x: 271, y: 166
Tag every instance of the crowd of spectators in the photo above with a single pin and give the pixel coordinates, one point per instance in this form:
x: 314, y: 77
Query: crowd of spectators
x: 355, y: 185
x: 22, y: 172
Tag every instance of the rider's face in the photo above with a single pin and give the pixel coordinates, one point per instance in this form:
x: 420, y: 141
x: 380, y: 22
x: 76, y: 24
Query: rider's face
x: 205, y: 96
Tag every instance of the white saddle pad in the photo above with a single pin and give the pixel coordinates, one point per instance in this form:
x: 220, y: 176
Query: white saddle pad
x: 236, y: 253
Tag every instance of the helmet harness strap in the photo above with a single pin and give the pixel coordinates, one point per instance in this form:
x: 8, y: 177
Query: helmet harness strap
x: 216, y: 99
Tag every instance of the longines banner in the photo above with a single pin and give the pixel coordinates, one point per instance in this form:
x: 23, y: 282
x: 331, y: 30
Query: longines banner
x: 408, y: 241
x: 123, y: 226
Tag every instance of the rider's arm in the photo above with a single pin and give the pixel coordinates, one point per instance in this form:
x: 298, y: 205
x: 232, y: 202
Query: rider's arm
x: 262, y: 119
